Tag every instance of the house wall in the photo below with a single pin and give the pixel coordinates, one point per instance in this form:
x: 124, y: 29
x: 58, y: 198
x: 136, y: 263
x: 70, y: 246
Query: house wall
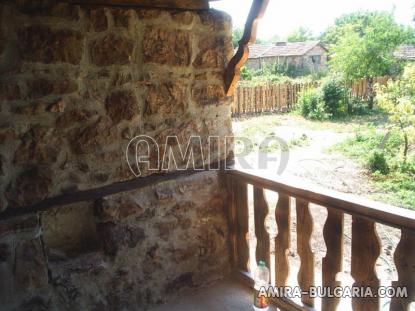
x: 299, y: 61
x: 76, y: 85
x: 317, y: 50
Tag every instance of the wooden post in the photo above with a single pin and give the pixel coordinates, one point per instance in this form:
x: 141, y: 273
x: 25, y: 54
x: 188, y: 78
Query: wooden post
x: 262, y: 236
x: 304, y: 230
x: 365, y: 252
x: 241, y: 205
x: 333, y: 261
x: 282, y: 241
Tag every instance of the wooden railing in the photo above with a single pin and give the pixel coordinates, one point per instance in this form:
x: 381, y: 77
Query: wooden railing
x: 365, y: 244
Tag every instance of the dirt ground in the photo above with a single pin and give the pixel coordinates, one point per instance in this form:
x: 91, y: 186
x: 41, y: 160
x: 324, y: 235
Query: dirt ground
x: 309, y: 161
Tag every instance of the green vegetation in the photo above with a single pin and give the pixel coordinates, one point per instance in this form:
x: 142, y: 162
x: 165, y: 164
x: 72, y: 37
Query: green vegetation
x: 379, y: 152
x: 359, y: 22
x: 363, y: 45
x: 329, y: 101
x: 279, y: 72
x: 398, y: 99
x: 300, y: 34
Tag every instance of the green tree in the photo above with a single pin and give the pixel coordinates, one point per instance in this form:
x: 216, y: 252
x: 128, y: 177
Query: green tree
x: 359, y: 22
x: 300, y: 34
x: 398, y: 98
x: 365, y: 48
x: 237, y: 34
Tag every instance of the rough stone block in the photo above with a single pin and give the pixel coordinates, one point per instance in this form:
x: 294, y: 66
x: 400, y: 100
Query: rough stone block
x: 73, y: 118
x: 9, y: 90
x: 40, y: 145
x: 165, y: 99
x: 38, y: 88
x: 115, y: 236
x: 208, y: 94
x: 215, y: 21
x: 31, y: 186
x: 42, y: 44
x: 48, y: 8
x: 95, y: 137
x: 29, y: 226
x: 98, y: 20
x: 122, y: 17
x: 182, y: 17
x: 212, y: 53
x: 111, y: 50
x: 121, y: 105
x: 167, y: 46
x: 70, y: 229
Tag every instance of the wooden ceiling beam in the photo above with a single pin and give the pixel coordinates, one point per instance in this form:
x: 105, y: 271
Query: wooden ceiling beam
x: 233, y: 71
x: 164, y: 4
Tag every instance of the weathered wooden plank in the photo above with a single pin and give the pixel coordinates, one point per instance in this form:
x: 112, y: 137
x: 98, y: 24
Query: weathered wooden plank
x: 365, y: 252
x: 262, y: 236
x: 304, y: 230
x: 333, y: 261
x: 405, y: 265
x: 282, y: 240
x: 233, y: 71
x: 167, y: 4
x: 241, y: 199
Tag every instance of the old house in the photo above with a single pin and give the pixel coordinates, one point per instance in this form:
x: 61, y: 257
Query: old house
x: 405, y: 52
x: 82, y: 229
x: 310, y: 56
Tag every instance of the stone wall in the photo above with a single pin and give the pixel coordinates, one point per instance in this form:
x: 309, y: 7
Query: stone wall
x: 76, y: 85
x: 126, y: 251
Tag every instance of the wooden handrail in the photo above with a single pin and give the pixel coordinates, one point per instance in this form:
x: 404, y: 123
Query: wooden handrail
x: 379, y: 212
x: 365, y: 243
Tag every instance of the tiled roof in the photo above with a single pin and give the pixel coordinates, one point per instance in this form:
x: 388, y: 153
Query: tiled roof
x: 405, y: 51
x: 281, y: 49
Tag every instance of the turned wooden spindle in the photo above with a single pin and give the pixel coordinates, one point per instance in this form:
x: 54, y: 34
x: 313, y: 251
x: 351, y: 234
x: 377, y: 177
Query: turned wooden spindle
x: 304, y: 230
x: 405, y: 265
x: 365, y: 252
x: 282, y: 240
x: 262, y: 236
x: 241, y: 204
x: 333, y: 261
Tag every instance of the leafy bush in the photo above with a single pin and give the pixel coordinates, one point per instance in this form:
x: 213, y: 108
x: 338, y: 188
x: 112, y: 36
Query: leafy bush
x: 334, y: 95
x: 377, y: 163
x: 246, y: 74
x: 310, y: 104
x: 398, y: 99
x: 356, y: 106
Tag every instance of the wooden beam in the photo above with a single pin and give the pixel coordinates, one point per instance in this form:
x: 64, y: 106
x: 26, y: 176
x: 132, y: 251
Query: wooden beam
x: 163, y: 4
x: 232, y: 72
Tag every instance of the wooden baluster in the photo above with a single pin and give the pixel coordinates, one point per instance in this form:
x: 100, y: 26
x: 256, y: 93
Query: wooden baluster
x: 262, y: 236
x: 241, y: 199
x: 231, y: 215
x: 333, y: 261
x: 304, y: 229
x: 239, y: 89
x: 365, y: 252
x: 282, y: 241
x: 405, y: 265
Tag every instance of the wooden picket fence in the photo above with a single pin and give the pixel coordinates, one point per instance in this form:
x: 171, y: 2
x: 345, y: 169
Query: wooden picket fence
x: 277, y: 97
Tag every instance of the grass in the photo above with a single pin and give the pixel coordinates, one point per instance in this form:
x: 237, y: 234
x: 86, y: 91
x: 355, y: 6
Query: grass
x: 398, y: 185
x: 257, y: 128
